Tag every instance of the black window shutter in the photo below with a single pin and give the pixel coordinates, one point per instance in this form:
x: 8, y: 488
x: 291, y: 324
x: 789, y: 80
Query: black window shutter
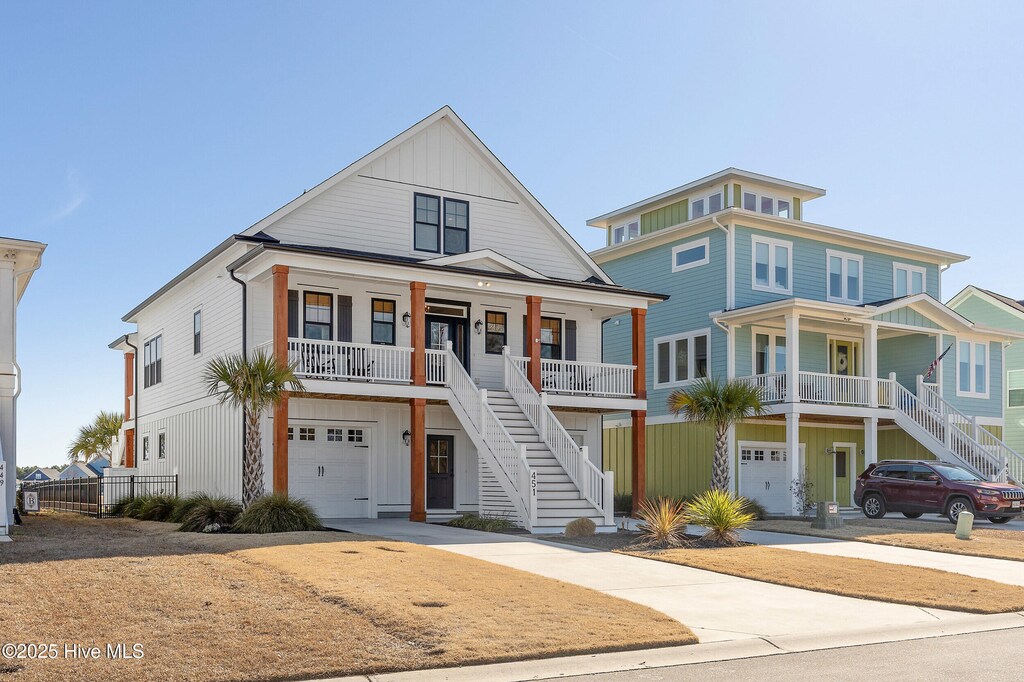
x: 345, y: 318
x: 293, y: 313
x: 570, y: 339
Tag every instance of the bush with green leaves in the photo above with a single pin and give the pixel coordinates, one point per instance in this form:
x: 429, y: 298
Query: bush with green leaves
x: 277, y: 513
x: 184, y: 505
x: 156, y: 507
x: 721, y: 514
x: 662, y: 521
x: 209, y: 513
x: 490, y: 524
x: 132, y: 508
x: 580, y: 528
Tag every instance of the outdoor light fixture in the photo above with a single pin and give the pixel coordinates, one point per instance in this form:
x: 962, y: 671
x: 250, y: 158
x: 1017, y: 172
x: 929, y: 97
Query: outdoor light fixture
x: 830, y: 451
x: 478, y: 326
x: 406, y: 436
x: 483, y: 284
x: 406, y: 318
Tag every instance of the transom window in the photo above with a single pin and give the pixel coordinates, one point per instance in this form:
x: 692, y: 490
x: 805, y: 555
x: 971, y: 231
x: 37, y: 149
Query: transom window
x: 626, y: 231
x: 690, y: 255
x: 761, y: 203
x: 383, y: 323
x: 844, y: 276
x: 769, y: 352
x: 551, y: 338
x: 1015, y: 388
x: 152, y: 365
x: 681, y: 358
x: 496, y: 334
x: 907, y: 279
x: 317, y: 316
x: 772, y: 265
x: 972, y: 369
x: 702, y: 206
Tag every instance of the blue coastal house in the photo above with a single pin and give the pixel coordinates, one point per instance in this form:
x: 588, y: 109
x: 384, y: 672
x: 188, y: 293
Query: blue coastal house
x: 41, y: 474
x: 841, y: 330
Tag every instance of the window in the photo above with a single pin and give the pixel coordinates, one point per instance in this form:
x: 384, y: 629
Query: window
x: 680, y: 358
x: 972, y: 369
x: 625, y: 232
x: 291, y: 433
x: 145, y: 448
x: 551, y: 338
x: 152, y: 366
x: 1015, y: 388
x: 690, y: 255
x: 749, y: 201
x: 702, y: 206
x: 456, y: 226
x: 316, y: 316
x: 335, y: 435
x: 768, y: 205
x: 772, y: 263
x: 782, y: 208
x: 197, y: 332
x: 307, y: 433
x: 161, y: 445
x: 355, y: 435
x: 496, y: 332
x: 907, y: 279
x: 383, y: 323
x: 769, y: 352
x: 427, y: 223
x: 844, y: 278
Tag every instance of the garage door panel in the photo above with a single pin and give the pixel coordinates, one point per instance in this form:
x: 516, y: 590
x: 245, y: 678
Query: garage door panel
x: 330, y: 470
x: 764, y: 477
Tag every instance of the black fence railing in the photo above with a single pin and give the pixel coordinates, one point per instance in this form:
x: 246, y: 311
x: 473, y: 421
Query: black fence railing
x: 99, y: 496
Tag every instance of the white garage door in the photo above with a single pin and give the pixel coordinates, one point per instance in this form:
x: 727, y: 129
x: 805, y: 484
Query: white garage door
x: 329, y: 467
x: 764, y: 476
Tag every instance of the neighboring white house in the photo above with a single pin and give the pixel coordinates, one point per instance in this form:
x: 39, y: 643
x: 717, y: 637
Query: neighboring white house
x: 18, y: 260
x: 447, y: 330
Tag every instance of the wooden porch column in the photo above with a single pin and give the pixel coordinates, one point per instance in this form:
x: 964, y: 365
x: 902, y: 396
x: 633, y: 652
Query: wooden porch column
x: 129, y: 448
x: 417, y: 460
x: 280, y: 473
x: 129, y: 384
x: 418, y: 329
x: 640, y: 353
x: 639, y: 459
x: 533, y: 340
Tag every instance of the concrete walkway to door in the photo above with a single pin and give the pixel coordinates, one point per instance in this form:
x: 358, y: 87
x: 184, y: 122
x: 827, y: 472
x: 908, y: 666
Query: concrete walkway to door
x: 716, y: 607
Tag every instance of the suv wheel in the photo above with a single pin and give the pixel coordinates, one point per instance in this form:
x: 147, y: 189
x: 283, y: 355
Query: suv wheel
x: 912, y: 515
x: 999, y: 519
x: 874, y: 506
x: 956, y: 506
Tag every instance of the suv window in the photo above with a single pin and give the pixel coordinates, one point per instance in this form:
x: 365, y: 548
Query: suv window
x: 898, y: 471
x: 921, y: 473
x: 881, y: 471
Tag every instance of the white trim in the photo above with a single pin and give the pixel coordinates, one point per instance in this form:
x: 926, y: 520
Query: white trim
x: 857, y: 343
x: 487, y: 255
x: 851, y: 469
x: 844, y: 276
x: 759, y: 199
x: 705, y: 242
x: 768, y: 445
x: 909, y: 269
x: 772, y: 245
x: 1008, y: 389
x: 730, y: 267
x: 972, y: 361
x: 691, y: 357
x: 773, y: 336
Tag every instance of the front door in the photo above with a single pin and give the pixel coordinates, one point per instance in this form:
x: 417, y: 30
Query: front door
x: 441, y: 330
x: 842, y: 474
x: 440, y: 472
x: 844, y: 357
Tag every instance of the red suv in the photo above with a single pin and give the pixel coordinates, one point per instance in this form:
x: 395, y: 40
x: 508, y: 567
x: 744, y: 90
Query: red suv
x: 930, y: 487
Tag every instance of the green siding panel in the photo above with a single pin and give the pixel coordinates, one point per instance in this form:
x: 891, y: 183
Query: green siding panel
x: 798, y: 211
x: 907, y: 316
x: 666, y: 216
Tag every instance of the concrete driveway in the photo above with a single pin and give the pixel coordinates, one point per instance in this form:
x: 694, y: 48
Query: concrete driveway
x: 716, y: 607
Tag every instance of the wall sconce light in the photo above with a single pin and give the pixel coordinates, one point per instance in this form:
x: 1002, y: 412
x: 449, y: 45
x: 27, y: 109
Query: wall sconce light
x: 478, y: 326
x: 406, y: 319
x: 406, y: 436
x: 830, y: 451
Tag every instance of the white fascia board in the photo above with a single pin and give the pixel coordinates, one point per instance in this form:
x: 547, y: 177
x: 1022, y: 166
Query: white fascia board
x: 487, y: 255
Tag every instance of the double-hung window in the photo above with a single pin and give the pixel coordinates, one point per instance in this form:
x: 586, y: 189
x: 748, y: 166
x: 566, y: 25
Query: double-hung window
x: 690, y: 255
x: 972, y: 369
x: 844, y: 276
x: 772, y: 265
x: 907, y: 279
x: 769, y: 352
x: 496, y: 332
x: 626, y: 231
x: 197, y: 332
x: 152, y: 366
x: 456, y: 226
x: 317, y: 320
x: 383, y: 323
x: 682, y: 357
x: 1015, y: 388
x: 426, y: 223
x: 551, y: 338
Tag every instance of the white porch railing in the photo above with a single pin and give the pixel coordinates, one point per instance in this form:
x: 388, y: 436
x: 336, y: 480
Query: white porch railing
x: 835, y: 389
x: 437, y: 366
x: 593, y: 484
x: 344, y: 360
x: 773, y: 386
x: 587, y: 378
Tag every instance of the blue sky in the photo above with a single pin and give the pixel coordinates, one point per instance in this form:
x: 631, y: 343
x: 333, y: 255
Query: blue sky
x: 135, y: 136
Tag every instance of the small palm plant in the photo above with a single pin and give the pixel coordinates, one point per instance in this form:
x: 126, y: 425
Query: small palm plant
x: 662, y: 521
x: 721, y: 514
x: 96, y: 438
x: 721, y: 404
x: 253, y: 384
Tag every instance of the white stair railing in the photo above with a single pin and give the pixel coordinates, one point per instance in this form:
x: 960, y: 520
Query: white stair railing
x: 437, y: 365
x: 594, y: 485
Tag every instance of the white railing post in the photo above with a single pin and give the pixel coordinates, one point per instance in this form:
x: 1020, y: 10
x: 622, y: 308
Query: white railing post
x: 947, y: 430
x: 974, y: 428
x: 542, y: 427
x: 608, y: 497
x: 483, y: 405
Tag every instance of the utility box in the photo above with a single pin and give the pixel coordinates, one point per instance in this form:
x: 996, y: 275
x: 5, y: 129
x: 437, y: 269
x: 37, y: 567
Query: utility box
x: 828, y: 516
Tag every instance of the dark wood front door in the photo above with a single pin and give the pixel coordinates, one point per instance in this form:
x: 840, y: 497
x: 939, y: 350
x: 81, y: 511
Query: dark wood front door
x: 440, y: 472
x: 441, y: 329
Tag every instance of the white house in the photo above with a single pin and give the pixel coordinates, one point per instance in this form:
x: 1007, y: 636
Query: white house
x: 18, y: 260
x: 446, y: 328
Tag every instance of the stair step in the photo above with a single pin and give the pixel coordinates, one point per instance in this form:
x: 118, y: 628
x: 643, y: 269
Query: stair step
x: 548, y: 479
x: 564, y: 504
x: 548, y: 495
x: 557, y: 487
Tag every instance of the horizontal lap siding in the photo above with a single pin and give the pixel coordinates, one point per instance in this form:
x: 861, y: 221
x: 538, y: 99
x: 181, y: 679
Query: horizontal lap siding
x: 980, y: 407
x: 908, y: 356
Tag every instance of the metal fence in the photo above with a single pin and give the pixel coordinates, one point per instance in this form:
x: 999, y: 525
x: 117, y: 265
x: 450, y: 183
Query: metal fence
x: 99, y: 496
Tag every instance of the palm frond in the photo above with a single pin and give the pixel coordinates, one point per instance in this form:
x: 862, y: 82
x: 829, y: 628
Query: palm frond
x: 711, y: 400
x: 254, y: 384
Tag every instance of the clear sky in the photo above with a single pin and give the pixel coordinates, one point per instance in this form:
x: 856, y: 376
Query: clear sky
x: 135, y: 136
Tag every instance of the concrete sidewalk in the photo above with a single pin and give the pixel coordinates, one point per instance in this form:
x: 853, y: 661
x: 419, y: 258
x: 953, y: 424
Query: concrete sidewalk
x: 716, y: 607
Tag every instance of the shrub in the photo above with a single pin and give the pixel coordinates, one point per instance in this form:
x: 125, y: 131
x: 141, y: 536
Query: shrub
x: 623, y: 504
x: 133, y: 507
x: 277, y: 513
x: 803, y: 490
x: 118, y: 508
x: 490, y: 524
x: 578, y: 528
x: 213, y: 512
x: 721, y: 514
x: 755, y: 509
x: 184, y: 505
x: 156, y: 507
x: 662, y: 521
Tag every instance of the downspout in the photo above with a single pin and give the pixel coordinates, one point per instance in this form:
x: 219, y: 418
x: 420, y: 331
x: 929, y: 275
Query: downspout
x: 245, y: 348
x: 135, y: 394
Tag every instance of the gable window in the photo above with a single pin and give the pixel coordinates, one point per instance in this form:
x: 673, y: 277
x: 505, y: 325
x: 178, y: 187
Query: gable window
x: 317, y: 316
x: 907, y: 279
x: 844, y: 276
x: 152, y: 366
x: 383, y: 323
x: 197, y: 332
x: 626, y: 231
x: 972, y: 369
x: 690, y: 255
x: 427, y: 223
x: 1015, y: 388
x: 551, y: 338
x: 772, y: 265
x: 456, y: 226
x: 161, y: 445
x: 496, y: 335
x: 145, y: 448
x: 769, y: 352
x: 680, y: 358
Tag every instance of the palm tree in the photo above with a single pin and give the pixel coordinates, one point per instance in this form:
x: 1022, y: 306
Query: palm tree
x: 721, y: 404
x: 96, y: 438
x: 254, y: 385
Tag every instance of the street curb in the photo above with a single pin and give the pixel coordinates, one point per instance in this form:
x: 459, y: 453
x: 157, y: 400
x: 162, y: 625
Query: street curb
x: 754, y: 647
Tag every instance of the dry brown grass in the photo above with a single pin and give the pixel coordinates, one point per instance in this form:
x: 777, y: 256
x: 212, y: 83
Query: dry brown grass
x: 989, y: 543
x: 288, y: 606
x: 861, y: 578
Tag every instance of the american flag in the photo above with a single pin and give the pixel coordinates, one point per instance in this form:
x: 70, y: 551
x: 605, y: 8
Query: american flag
x: 936, y: 361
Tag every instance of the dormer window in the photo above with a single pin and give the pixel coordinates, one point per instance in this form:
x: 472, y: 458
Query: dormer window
x: 626, y: 231
x: 702, y: 206
x: 769, y: 205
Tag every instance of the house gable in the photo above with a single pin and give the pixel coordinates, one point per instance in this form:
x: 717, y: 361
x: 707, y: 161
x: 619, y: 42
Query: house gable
x: 906, y: 315
x: 984, y: 307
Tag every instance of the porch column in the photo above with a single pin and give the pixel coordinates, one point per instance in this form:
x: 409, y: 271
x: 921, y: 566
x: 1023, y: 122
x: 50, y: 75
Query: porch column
x: 533, y: 340
x: 793, y: 451
x: 871, y: 362
x: 870, y: 440
x: 640, y: 353
x: 280, y: 462
x: 129, y: 392
x: 792, y: 357
x: 639, y: 458
x: 417, y: 460
x: 418, y: 329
